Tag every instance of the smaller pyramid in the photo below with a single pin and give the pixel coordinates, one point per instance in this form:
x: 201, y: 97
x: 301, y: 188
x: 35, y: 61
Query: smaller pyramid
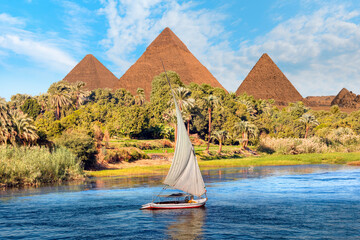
x: 167, y: 47
x: 93, y: 73
x: 346, y: 99
x: 267, y: 81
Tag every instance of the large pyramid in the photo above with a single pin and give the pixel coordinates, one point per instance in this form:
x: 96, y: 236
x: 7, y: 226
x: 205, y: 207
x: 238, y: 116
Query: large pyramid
x: 92, y: 72
x: 346, y: 99
x: 266, y: 81
x: 176, y: 57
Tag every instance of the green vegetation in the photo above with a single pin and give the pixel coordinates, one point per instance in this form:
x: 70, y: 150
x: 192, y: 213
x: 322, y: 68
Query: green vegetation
x: 21, y: 166
x: 80, y: 144
x: 109, y: 126
x: 268, y: 160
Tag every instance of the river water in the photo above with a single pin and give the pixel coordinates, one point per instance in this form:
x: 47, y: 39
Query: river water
x: 290, y: 202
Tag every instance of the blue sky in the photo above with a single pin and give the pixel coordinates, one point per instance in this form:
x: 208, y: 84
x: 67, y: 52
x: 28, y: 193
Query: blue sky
x: 315, y: 43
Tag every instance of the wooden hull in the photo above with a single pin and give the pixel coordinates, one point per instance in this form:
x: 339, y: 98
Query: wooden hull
x: 174, y: 205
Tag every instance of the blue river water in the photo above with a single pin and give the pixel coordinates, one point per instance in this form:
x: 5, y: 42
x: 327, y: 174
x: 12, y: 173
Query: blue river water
x: 290, y: 202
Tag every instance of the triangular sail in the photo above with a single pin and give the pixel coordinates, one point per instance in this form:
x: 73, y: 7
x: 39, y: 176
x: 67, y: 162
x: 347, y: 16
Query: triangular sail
x: 184, y: 173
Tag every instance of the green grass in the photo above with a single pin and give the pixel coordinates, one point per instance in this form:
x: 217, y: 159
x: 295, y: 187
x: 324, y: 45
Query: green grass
x: 20, y: 166
x: 267, y: 160
x: 160, y: 150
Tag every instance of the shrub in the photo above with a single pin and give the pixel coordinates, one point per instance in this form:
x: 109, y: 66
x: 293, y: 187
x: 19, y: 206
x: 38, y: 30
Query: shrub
x: 144, y: 145
x: 344, y: 136
x: 293, y: 145
x: 124, y: 154
x: 31, y: 107
x: 81, y: 144
x: 36, y: 165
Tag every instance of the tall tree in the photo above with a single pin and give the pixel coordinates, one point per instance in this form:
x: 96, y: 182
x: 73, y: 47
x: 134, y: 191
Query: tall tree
x: 78, y: 93
x: 43, y: 100
x: 210, y: 102
x: 59, y: 96
x: 220, y: 136
x: 5, y: 122
x: 309, y: 120
x: 184, y: 101
x: 140, y: 96
x: 24, y: 127
x: 247, y: 130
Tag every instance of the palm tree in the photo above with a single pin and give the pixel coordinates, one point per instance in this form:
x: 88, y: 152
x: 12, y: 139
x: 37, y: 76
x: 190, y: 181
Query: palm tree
x: 24, y: 127
x: 309, y: 120
x: 4, y: 114
x: 220, y: 136
x: 5, y: 122
x: 187, y: 116
x: 59, y: 96
x: 183, y: 97
x: 140, y: 97
x: 184, y: 101
x: 211, y: 101
x: 249, y: 107
x: 43, y: 100
x: 247, y: 130
x: 78, y: 93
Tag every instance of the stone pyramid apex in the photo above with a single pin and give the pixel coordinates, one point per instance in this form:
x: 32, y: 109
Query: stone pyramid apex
x: 345, y: 98
x: 267, y: 81
x: 344, y: 90
x: 176, y: 57
x: 165, y: 39
x: 93, y: 73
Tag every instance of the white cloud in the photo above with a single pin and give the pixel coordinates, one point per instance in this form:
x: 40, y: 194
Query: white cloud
x: 41, y: 52
x: 35, y: 47
x: 320, y: 50
x: 7, y: 19
x: 77, y: 20
x: 137, y: 23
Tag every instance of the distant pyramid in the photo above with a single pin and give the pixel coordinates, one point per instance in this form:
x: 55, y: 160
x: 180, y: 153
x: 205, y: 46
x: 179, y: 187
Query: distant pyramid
x: 92, y: 72
x: 176, y: 57
x: 266, y: 81
x: 346, y: 99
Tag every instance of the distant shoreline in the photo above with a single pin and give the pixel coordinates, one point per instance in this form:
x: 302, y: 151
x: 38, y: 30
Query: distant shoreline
x: 352, y: 158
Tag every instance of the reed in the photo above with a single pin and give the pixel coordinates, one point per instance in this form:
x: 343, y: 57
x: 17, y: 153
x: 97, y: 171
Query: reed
x: 21, y: 166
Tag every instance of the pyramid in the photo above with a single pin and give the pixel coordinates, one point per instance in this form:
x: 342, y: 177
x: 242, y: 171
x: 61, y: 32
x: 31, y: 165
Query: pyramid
x: 266, y: 81
x: 92, y: 72
x: 346, y: 99
x: 176, y: 57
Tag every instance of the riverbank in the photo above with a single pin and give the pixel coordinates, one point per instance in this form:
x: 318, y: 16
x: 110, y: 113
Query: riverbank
x: 267, y: 160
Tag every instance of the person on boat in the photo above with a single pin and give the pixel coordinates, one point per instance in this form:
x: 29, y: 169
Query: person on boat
x: 191, y: 200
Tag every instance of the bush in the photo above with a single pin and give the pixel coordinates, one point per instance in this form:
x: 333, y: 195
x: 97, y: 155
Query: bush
x: 31, y: 108
x: 36, y: 165
x: 81, y: 144
x: 124, y: 154
x: 344, y: 136
x: 292, y: 145
x: 144, y: 145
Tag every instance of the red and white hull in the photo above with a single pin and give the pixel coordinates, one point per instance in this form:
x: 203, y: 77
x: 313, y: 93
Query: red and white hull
x: 175, y: 205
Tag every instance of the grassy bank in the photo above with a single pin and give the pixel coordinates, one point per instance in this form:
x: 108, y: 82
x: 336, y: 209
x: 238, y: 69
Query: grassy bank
x: 267, y: 160
x: 34, y: 166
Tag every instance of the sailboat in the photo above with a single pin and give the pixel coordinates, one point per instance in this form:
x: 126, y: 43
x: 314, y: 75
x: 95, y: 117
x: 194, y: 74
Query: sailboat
x: 184, y: 173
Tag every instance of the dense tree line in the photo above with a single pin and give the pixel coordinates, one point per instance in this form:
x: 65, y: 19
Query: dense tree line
x: 209, y: 112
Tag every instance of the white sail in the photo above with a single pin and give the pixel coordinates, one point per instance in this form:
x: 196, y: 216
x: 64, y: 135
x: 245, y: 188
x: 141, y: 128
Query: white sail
x: 184, y: 173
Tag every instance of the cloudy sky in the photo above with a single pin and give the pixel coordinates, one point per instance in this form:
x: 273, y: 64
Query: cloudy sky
x: 315, y: 43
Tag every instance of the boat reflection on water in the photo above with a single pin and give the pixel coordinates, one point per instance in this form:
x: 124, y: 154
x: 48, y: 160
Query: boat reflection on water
x: 185, y: 223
